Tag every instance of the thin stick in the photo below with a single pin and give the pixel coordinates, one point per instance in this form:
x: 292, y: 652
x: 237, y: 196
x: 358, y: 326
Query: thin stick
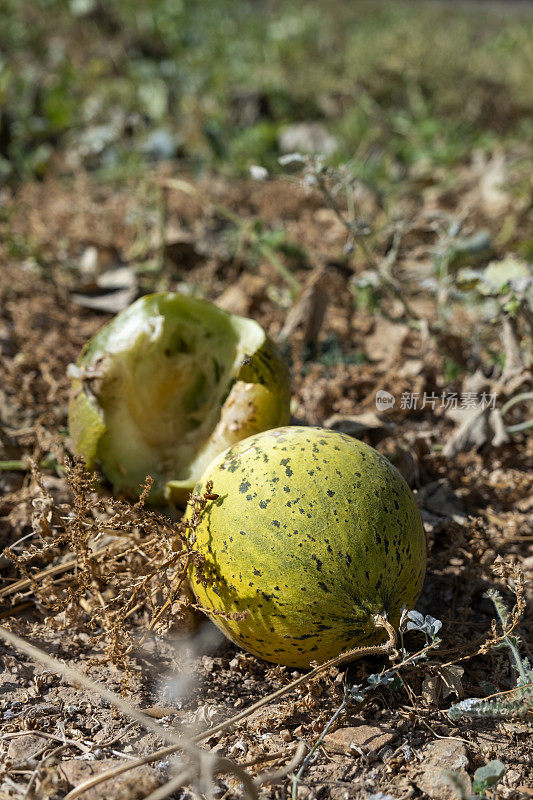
x: 45, y: 735
x: 118, y: 737
x: 225, y: 765
x: 28, y: 793
x: 171, y: 786
x: 15, y: 609
x: 275, y: 776
x: 24, y: 583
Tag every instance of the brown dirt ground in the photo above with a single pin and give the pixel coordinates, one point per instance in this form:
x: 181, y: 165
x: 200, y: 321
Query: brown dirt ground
x: 183, y: 675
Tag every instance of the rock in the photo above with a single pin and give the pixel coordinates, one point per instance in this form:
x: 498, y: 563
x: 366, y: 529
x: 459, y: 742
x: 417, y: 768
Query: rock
x: 367, y: 738
x: 307, y: 313
x: 160, y: 145
x: 527, y: 563
x: 22, y: 748
x: 111, y: 291
x: 384, y: 345
x: 132, y: 785
x: 512, y: 777
x: 243, y: 297
x: 307, y: 137
x: 440, y: 500
x: 436, y: 758
x: 493, y: 178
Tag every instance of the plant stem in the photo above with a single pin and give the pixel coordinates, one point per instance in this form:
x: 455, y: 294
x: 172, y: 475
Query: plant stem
x: 264, y: 249
x: 520, y: 426
x: 278, y: 265
x: 22, y: 465
x: 510, y: 641
x: 14, y: 466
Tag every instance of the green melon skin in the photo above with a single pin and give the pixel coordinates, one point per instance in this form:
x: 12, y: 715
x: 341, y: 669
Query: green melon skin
x: 166, y: 386
x: 312, y: 533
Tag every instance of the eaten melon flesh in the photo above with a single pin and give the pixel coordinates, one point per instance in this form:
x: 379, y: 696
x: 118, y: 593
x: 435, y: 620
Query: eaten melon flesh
x: 312, y: 533
x: 167, y: 385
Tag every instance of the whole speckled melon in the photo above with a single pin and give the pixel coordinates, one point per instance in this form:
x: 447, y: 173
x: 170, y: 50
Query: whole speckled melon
x: 312, y: 533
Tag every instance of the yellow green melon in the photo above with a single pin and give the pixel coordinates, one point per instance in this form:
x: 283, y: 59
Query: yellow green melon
x: 166, y: 386
x: 312, y: 533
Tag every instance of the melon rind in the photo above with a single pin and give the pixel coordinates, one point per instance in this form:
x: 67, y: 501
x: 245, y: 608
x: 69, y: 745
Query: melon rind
x: 167, y: 385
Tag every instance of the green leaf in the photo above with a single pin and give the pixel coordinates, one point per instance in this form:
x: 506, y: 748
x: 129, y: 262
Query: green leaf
x: 498, y: 275
x: 487, y: 776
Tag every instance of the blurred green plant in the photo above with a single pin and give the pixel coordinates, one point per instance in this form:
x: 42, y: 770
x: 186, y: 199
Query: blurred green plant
x: 214, y: 81
x: 504, y: 289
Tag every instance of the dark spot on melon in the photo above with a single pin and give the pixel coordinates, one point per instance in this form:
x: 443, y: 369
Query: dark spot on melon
x: 317, y: 561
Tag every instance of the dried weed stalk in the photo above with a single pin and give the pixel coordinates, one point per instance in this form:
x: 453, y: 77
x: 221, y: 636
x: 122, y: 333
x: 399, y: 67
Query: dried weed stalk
x: 127, y: 560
